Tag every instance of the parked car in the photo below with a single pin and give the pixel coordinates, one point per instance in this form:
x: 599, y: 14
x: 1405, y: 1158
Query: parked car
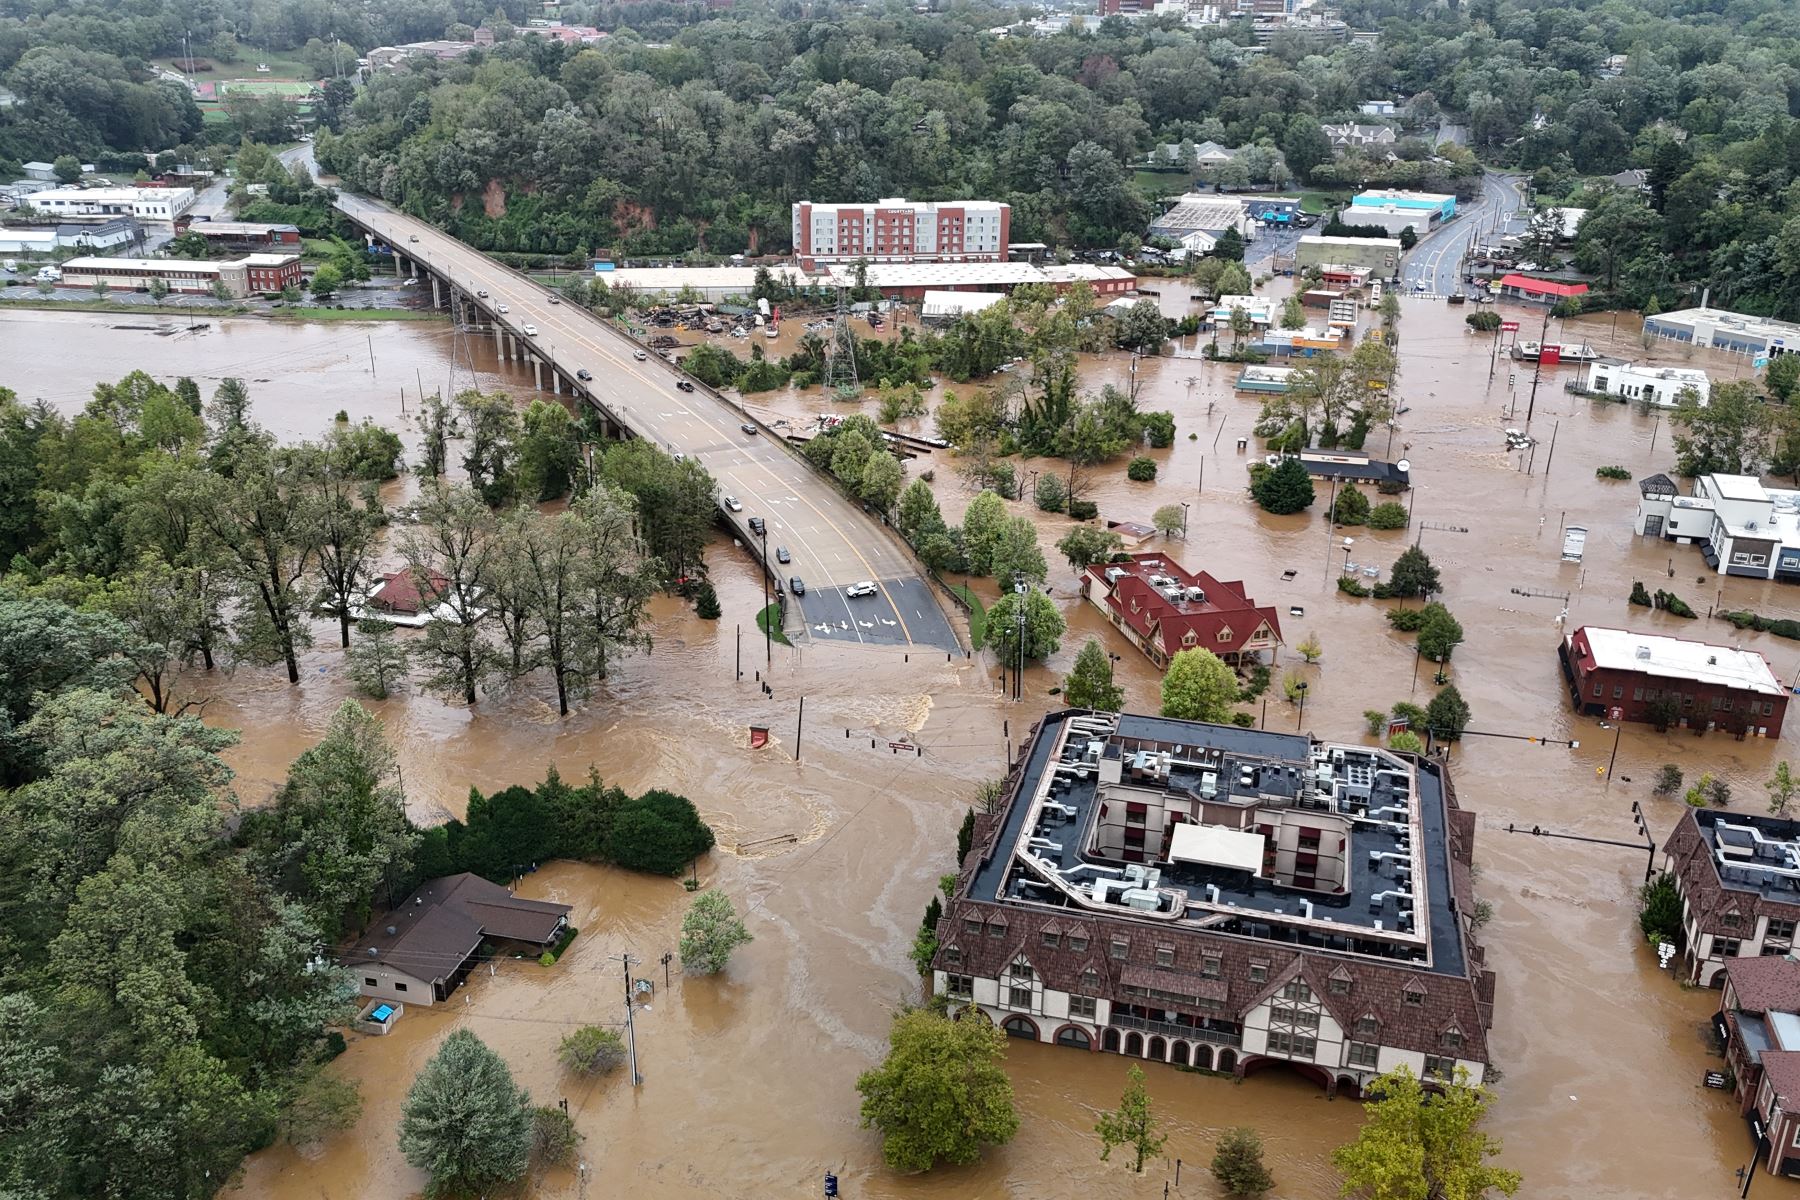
x: 865, y: 588
x: 797, y: 586
x: 639, y: 355
x: 757, y: 526
x: 747, y: 427
x: 584, y: 375
x: 733, y: 504
x: 530, y: 330
x: 781, y: 554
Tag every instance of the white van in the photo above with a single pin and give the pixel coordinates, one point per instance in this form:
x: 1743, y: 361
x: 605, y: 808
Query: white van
x: 11, y: 265
x: 49, y: 275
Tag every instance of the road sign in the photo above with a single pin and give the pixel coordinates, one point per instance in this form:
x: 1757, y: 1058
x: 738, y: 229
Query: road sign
x: 901, y: 746
x: 1509, y: 327
x: 1714, y: 1079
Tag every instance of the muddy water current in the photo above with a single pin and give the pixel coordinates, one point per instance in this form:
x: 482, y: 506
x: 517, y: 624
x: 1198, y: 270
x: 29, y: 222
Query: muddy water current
x: 749, y: 1078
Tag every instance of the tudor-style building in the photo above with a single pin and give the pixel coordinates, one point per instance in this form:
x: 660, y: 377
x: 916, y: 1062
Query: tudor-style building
x: 1739, y: 879
x: 1163, y: 608
x: 1224, y: 898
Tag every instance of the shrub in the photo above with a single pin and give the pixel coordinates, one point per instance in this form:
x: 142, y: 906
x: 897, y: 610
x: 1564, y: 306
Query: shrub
x: 591, y: 1050
x: 1447, y: 715
x: 1640, y: 596
x: 1672, y: 604
x: 1668, y: 780
x: 1258, y: 684
x: 1407, y: 742
x: 1388, y: 514
x: 1141, y: 469
x: 1351, y: 508
x: 1349, y: 585
x: 706, y: 603
x: 1611, y: 473
x: 1486, y: 320
x: 1243, y: 720
x: 658, y: 832
x: 546, y: 959
x: 553, y: 1136
x: 1052, y: 493
x: 1659, y: 910
x: 1375, y: 719
x: 1083, y: 510
x: 1159, y: 427
x: 1409, y: 712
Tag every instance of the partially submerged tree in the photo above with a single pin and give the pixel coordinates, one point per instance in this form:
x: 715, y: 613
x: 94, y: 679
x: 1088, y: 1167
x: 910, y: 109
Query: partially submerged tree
x: 940, y: 1095
x: 1198, y: 686
x: 1089, y: 683
x: 465, y: 1123
x: 1133, y: 1124
x: 710, y: 931
x: 1418, y: 1145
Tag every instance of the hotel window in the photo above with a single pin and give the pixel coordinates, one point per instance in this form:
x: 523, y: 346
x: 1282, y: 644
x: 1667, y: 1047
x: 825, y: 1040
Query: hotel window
x: 1022, y: 970
x: 1731, y: 920
x: 996, y: 930
x: 1090, y: 980
x: 1052, y: 939
x: 1165, y: 956
x: 1438, y: 1067
x: 1259, y: 972
x: 1304, y: 1018
x: 1340, y: 987
x: 1018, y: 997
x: 1084, y: 1007
x: 1077, y: 942
x: 971, y: 925
x: 1293, y: 1045
x: 952, y: 954
x: 1726, y: 947
x: 960, y: 986
x: 1412, y: 998
x: 1452, y: 1039
x: 1781, y: 930
x: 1119, y: 948
x: 1209, y: 966
x: 1296, y: 991
x: 1367, y: 1026
x: 1363, y: 1054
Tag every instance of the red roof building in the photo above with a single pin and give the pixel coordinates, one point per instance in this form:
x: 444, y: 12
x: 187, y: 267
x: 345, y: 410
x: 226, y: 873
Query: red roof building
x: 1543, y: 291
x: 1163, y: 608
x: 399, y: 593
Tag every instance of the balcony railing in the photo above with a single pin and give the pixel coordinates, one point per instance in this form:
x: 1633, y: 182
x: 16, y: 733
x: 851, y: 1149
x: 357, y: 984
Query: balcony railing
x: 1218, y: 1037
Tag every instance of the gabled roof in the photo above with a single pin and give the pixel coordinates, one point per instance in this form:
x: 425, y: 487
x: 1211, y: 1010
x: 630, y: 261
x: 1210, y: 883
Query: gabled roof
x: 442, y: 923
x: 399, y: 592
x: 1767, y: 984
x: 1227, y: 609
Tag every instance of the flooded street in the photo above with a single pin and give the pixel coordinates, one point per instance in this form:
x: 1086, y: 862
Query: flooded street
x: 749, y: 1077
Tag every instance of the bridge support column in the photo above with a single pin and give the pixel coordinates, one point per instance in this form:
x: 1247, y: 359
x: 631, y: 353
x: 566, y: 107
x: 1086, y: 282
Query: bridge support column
x: 499, y: 341
x: 437, y: 293
x: 412, y: 267
x: 537, y: 373
x: 555, y: 380
x: 399, y: 264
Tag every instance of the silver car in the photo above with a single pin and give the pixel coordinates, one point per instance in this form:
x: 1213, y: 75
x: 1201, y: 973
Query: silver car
x: 864, y: 588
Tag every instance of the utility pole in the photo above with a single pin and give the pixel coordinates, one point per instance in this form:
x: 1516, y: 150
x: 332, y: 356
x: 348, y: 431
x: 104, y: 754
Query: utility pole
x: 1537, y: 367
x: 799, y: 722
x: 637, y: 1080
x: 1019, y: 624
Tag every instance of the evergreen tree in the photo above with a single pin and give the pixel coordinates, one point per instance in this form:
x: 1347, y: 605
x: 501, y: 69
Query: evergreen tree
x: 1237, y: 1163
x: 1286, y: 488
x: 1089, y: 683
x: 466, y: 1124
x: 1448, y: 714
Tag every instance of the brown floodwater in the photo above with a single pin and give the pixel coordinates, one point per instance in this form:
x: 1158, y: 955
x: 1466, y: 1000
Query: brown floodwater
x: 749, y: 1079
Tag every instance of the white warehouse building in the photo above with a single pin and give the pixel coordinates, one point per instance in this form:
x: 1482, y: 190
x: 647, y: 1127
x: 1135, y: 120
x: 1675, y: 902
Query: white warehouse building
x: 146, y: 204
x: 1660, y: 387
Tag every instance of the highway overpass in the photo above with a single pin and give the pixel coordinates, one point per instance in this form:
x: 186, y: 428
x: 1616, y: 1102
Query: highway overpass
x: 832, y: 541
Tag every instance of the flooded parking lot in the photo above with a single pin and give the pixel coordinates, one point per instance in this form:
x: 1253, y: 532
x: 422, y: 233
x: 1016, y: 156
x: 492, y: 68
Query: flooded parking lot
x: 750, y: 1077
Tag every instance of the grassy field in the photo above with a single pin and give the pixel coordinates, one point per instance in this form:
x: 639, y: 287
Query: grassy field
x: 1318, y: 202
x: 769, y: 620
x: 118, y: 306
x: 283, y: 64
x: 977, y: 614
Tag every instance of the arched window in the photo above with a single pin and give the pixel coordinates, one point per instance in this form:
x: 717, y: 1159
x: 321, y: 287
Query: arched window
x: 1020, y: 1027
x: 1109, y: 1041
x: 1134, y: 1045
x: 1074, y: 1036
x: 1159, y: 1050
x: 1178, y: 1054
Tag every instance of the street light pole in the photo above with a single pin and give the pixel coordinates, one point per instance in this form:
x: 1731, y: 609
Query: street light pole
x: 1184, y: 520
x: 768, y: 638
x: 1300, y: 720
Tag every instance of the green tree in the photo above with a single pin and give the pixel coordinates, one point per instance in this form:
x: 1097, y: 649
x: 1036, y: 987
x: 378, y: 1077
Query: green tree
x: 1416, y: 1145
x: 158, y: 287
x: 270, y: 534
x: 982, y: 523
x: 1729, y: 434
x: 1230, y: 246
x: 1085, y: 545
x: 1782, y: 378
x: 1413, y: 575
x: 1668, y: 780
x: 1440, y: 635
x: 1052, y: 494
x: 1351, y: 506
x: 67, y: 169
x: 1310, y: 649
x: 1016, y: 554
x: 345, y: 519
x: 337, y: 839
x: 549, y: 456
x: 658, y: 832
x: 1198, y: 686
x: 1237, y: 1163
x: 1448, y: 714
x: 1132, y: 1124
x: 709, y: 933
x: 880, y: 482
x: 465, y: 1123
x: 1285, y: 489
x: 1089, y: 683
x: 591, y: 1050
x: 318, y: 1104
x: 918, y: 513
x: 1782, y: 786
x: 378, y: 661
x: 1169, y: 518
x: 326, y: 281
x: 453, y: 553
x: 1043, y: 626
x: 1143, y: 327
x: 1293, y: 314
x: 1660, y: 910
x: 940, y: 1095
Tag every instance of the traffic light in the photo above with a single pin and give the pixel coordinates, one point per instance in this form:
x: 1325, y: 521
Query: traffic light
x: 1512, y: 377
x: 830, y: 1184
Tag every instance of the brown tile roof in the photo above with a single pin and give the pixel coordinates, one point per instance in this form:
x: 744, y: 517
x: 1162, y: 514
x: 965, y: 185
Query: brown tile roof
x: 1174, y: 982
x: 1782, y: 1069
x: 1767, y: 984
x: 442, y: 923
x: 399, y: 592
x: 1708, y: 899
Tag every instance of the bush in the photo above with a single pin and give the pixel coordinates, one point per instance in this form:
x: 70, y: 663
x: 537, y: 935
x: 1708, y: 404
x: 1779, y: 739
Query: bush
x: 1668, y: 780
x: 1286, y: 488
x: 1611, y: 473
x: 1486, y: 320
x: 1141, y: 469
x: 1159, y: 427
x: 1351, y: 508
x: 1052, y: 493
x: 706, y: 603
x: 1083, y: 510
x: 1780, y: 627
x: 658, y: 832
x: 1388, y: 514
x: 1407, y: 742
x: 1447, y: 715
x: 591, y: 1050
x: 546, y: 959
x: 1243, y: 720
x: 1375, y: 719
x: 1412, y: 714
x: 1659, y: 910
x: 1349, y: 585
x: 1672, y: 604
x: 1640, y: 596
x: 553, y: 1136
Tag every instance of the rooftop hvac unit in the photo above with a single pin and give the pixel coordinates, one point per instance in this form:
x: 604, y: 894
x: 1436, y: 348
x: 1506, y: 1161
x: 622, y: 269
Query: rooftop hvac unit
x: 1197, y: 595
x: 1114, y: 574
x: 1643, y: 653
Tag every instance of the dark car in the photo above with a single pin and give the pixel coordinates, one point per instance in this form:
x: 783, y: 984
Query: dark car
x: 797, y: 586
x: 584, y: 374
x: 757, y: 527
x: 781, y: 554
x: 684, y: 385
x: 747, y: 427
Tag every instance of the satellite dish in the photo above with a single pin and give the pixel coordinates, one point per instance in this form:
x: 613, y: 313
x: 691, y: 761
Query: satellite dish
x: 1404, y: 465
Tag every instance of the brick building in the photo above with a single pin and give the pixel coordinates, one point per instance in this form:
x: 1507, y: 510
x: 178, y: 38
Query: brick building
x: 240, y: 277
x: 1226, y: 899
x: 1163, y: 608
x: 901, y: 231
x: 1627, y: 676
x: 1738, y: 875
x: 1759, y: 1022
x: 247, y: 235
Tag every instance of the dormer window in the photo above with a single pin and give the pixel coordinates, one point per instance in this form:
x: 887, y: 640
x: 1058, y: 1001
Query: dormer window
x: 1224, y: 635
x: 1453, y: 1039
x: 1413, y: 997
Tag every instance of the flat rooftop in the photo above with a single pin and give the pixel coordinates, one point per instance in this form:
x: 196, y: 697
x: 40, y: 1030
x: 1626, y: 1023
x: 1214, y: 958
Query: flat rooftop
x: 1320, y: 239
x: 1678, y: 658
x: 1753, y: 853
x: 1395, y: 903
x: 93, y: 263
x: 1724, y: 319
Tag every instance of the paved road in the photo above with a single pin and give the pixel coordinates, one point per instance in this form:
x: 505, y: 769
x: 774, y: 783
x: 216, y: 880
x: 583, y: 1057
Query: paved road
x: 833, y: 543
x: 1436, y: 260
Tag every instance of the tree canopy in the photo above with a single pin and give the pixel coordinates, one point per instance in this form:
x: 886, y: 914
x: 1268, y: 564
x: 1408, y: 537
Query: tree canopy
x: 940, y: 1095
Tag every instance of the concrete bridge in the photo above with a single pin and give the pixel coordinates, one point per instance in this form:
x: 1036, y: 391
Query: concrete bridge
x: 832, y: 542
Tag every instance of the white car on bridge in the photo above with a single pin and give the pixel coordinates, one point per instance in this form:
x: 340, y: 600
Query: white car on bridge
x: 530, y: 330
